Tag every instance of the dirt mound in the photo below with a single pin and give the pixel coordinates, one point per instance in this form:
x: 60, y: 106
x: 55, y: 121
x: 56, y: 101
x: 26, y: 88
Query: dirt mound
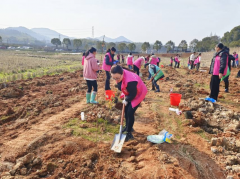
x: 11, y: 93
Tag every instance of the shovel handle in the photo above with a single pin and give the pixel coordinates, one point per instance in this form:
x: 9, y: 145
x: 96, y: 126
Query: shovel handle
x: 123, y: 110
x: 153, y: 77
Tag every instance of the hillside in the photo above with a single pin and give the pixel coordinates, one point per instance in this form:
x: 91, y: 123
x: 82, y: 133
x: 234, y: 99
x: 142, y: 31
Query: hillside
x: 48, y: 33
x: 29, y: 32
x: 14, y: 36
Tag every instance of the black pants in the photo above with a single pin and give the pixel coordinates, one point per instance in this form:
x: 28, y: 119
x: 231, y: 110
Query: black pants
x: 129, y: 116
x: 214, y: 87
x: 226, y: 81
x: 122, y: 60
x: 92, y: 84
x: 107, y: 83
x: 136, y: 69
x: 192, y: 64
x: 197, y: 66
x: 178, y: 64
x: 171, y: 64
x: 233, y: 63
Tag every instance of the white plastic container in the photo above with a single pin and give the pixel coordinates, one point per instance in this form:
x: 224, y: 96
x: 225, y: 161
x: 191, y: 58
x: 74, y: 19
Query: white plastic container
x: 82, y: 116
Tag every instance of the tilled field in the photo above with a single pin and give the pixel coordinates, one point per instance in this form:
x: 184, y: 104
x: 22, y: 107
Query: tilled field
x: 43, y: 136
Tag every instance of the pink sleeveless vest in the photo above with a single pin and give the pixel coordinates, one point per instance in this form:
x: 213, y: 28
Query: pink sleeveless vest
x: 129, y: 60
x: 154, y: 61
x: 137, y: 63
x: 141, y: 87
x: 217, y: 66
x: 104, y: 65
x: 236, y: 57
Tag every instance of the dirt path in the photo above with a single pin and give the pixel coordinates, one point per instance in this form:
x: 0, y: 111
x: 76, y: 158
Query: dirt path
x: 29, y: 138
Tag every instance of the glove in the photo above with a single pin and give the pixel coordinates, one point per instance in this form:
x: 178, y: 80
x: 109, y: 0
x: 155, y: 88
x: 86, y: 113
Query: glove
x: 125, y: 102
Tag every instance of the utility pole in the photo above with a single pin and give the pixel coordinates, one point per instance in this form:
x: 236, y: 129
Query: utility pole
x: 92, y: 31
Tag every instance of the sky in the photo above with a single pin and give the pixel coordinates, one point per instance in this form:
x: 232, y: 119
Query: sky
x: 137, y: 20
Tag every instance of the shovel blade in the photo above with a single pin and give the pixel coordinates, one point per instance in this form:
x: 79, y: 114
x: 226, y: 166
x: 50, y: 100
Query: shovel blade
x: 117, y: 144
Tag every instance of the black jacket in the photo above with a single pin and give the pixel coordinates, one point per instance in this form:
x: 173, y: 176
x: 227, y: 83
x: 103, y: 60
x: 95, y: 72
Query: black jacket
x: 223, y: 61
x: 131, y: 88
x: 107, y: 60
x: 230, y: 59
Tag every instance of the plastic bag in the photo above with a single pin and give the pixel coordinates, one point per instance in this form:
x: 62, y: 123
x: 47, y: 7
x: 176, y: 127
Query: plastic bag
x: 175, y: 110
x: 210, y: 99
x: 162, y: 137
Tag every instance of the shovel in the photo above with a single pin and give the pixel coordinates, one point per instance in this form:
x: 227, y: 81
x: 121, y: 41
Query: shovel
x: 152, y: 78
x: 119, y: 138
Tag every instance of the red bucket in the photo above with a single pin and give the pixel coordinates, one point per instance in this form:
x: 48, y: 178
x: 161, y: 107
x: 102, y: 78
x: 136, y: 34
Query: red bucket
x: 175, y: 99
x: 109, y: 94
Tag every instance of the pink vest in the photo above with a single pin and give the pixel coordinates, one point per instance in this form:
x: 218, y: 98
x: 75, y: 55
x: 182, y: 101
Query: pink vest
x: 176, y: 59
x: 154, y: 61
x: 236, y: 57
x: 137, y: 63
x: 129, y: 60
x: 104, y: 65
x: 83, y: 60
x: 196, y: 61
x: 141, y: 87
x: 217, y: 66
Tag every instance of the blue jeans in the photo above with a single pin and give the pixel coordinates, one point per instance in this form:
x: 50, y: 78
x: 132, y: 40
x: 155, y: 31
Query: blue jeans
x: 130, y: 67
x: 149, y: 76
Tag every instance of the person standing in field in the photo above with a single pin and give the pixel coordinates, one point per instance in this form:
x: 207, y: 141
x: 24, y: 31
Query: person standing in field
x: 123, y: 59
x: 192, y: 59
x: 134, y: 90
x: 90, y: 69
x: 226, y: 78
x: 130, y: 60
x: 118, y: 58
x: 236, y: 59
x: 218, y: 69
x: 198, y: 61
x: 153, y: 70
x: 107, y: 64
x: 176, y: 61
x: 171, y: 61
x: 179, y: 60
x: 83, y: 57
x: 137, y: 64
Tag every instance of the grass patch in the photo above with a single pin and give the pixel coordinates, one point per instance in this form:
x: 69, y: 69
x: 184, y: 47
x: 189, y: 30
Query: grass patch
x: 100, y: 130
x: 204, y: 86
x: 203, y: 134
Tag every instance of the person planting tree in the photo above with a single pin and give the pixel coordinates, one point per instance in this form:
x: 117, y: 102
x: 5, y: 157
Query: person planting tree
x: 137, y: 64
x: 134, y: 90
x: 154, y: 70
x: 90, y: 69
